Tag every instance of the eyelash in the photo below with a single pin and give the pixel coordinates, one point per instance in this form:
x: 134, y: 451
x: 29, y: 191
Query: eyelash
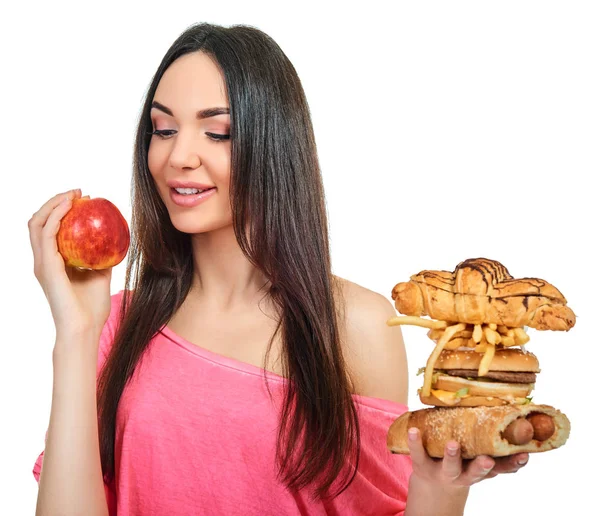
x: 166, y: 133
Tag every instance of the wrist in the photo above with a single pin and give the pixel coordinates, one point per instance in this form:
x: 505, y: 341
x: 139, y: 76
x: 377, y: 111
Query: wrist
x: 76, y: 341
x: 426, y: 497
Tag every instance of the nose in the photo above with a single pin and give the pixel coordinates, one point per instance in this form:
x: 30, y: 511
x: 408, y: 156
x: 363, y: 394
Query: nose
x: 185, y: 153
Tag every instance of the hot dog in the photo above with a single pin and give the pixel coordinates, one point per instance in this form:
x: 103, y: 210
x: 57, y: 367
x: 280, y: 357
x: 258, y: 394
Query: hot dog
x: 520, y: 431
x: 543, y: 426
x: 536, y: 426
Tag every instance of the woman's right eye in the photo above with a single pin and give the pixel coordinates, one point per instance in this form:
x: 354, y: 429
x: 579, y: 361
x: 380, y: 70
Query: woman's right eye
x: 164, y: 133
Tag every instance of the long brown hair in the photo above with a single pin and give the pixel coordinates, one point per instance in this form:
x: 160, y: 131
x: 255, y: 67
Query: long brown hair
x: 280, y: 223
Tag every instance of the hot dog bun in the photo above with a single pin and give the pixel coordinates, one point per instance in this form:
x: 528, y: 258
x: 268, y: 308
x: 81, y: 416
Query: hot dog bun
x: 478, y: 430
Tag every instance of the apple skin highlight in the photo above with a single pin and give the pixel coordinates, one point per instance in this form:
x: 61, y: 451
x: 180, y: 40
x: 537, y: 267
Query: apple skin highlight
x: 93, y: 235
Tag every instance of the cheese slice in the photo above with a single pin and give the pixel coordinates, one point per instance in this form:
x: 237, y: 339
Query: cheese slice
x: 447, y: 397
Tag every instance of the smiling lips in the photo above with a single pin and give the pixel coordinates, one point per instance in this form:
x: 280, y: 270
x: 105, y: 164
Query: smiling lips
x: 188, y: 184
x: 188, y: 200
x: 190, y: 194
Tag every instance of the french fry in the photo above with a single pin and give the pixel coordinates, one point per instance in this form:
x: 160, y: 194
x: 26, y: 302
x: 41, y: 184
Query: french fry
x: 435, y: 334
x: 458, y: 342
x: 521, y: 337
x: 493, y: 337
x: 507, y: 342
x: 502, y: 330
x: 488, y: 356
x: 416, y: 321
x: 482, y: 346
x: 493, y: 326
x: 477, y: 333
x: 465, y: 334
x: 448, y: 334
x: 453, y: 344
x: 511, y: 333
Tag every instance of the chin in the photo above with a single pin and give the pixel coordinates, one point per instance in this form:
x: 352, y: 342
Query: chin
x: 194, y: 227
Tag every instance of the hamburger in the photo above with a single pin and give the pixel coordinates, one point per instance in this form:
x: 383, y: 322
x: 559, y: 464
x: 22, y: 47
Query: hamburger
x: 456, y: 382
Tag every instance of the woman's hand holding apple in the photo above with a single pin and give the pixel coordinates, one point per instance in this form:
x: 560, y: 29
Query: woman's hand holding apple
x: 79, y: 299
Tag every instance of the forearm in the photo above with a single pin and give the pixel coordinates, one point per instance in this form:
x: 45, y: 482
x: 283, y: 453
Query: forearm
x: 425, y: 499
x: 71, y: 479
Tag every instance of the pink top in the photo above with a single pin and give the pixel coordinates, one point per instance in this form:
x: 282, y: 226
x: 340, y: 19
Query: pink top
x: 196, y: 435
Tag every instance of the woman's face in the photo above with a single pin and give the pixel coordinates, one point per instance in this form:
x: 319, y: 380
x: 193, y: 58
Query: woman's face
x: 191, y: 145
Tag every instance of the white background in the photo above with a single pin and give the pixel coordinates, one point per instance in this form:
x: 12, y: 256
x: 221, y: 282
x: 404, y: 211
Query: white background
x: 446, y: 130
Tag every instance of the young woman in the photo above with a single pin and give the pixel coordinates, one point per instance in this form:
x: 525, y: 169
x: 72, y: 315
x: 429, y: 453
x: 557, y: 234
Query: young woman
x: 235, y: 374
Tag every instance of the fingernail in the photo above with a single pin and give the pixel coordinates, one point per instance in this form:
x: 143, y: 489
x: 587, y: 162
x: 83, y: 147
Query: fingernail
x: 452, y: 450
x: 522, y: 462
x: 412, y: 434
x: 487, y: 466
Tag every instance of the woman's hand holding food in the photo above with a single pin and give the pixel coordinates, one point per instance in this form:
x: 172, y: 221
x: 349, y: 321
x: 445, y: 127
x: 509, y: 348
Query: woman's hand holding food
x: 441, y: 486
x: 452, y: 470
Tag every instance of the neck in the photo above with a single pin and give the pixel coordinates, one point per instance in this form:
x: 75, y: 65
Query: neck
x: 224, y: 278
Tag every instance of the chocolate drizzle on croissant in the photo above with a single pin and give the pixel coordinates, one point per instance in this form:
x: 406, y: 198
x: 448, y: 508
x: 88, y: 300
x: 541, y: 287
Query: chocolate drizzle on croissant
x: 482, y: 290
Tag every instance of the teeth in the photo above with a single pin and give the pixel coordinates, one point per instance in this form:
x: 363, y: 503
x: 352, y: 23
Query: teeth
x: 187, y: 191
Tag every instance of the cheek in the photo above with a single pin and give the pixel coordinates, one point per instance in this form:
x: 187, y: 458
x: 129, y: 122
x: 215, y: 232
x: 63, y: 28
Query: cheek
x: 153, y: 160
x: 219, y: 166
x: 224, y: 179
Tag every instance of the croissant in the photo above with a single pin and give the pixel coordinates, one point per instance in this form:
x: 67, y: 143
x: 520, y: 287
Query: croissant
x: 482, y: 291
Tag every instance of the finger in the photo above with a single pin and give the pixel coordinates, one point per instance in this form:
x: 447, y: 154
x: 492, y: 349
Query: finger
x: 452, y: 461
x: 417, y: 451
x: 52, y: 225
x: 480, y: 467
x: 39, y: 218
x: 48, y: 255
x: 511, y: 464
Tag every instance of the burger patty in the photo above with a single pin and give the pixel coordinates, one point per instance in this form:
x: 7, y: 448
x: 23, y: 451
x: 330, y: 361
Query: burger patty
x: 502, y: 376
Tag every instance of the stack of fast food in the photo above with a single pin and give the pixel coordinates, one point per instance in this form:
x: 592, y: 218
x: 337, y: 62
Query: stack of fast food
x: 479, y: 377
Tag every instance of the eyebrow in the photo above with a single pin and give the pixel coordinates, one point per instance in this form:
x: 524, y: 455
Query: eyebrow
x: 203, y: 113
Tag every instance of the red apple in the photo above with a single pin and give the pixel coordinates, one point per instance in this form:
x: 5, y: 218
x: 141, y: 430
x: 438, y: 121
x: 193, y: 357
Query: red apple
x: 93, y: 234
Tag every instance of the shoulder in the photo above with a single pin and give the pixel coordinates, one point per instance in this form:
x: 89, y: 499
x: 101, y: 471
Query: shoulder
x: 374, y: 352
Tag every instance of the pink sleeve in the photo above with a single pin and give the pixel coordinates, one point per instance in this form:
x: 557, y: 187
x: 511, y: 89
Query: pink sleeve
x: 381, y: 483
x: 106, y: 340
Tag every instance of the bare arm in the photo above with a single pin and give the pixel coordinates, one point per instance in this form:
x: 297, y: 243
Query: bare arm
x: 71, y: 479
x: 374, y: 352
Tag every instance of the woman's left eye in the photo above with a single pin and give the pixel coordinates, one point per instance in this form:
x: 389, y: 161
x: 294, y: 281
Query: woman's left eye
x: 163, y: 133
x: 218, y: 137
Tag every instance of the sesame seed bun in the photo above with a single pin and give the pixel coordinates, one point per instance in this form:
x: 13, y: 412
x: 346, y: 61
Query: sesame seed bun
x: 508, y: 359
